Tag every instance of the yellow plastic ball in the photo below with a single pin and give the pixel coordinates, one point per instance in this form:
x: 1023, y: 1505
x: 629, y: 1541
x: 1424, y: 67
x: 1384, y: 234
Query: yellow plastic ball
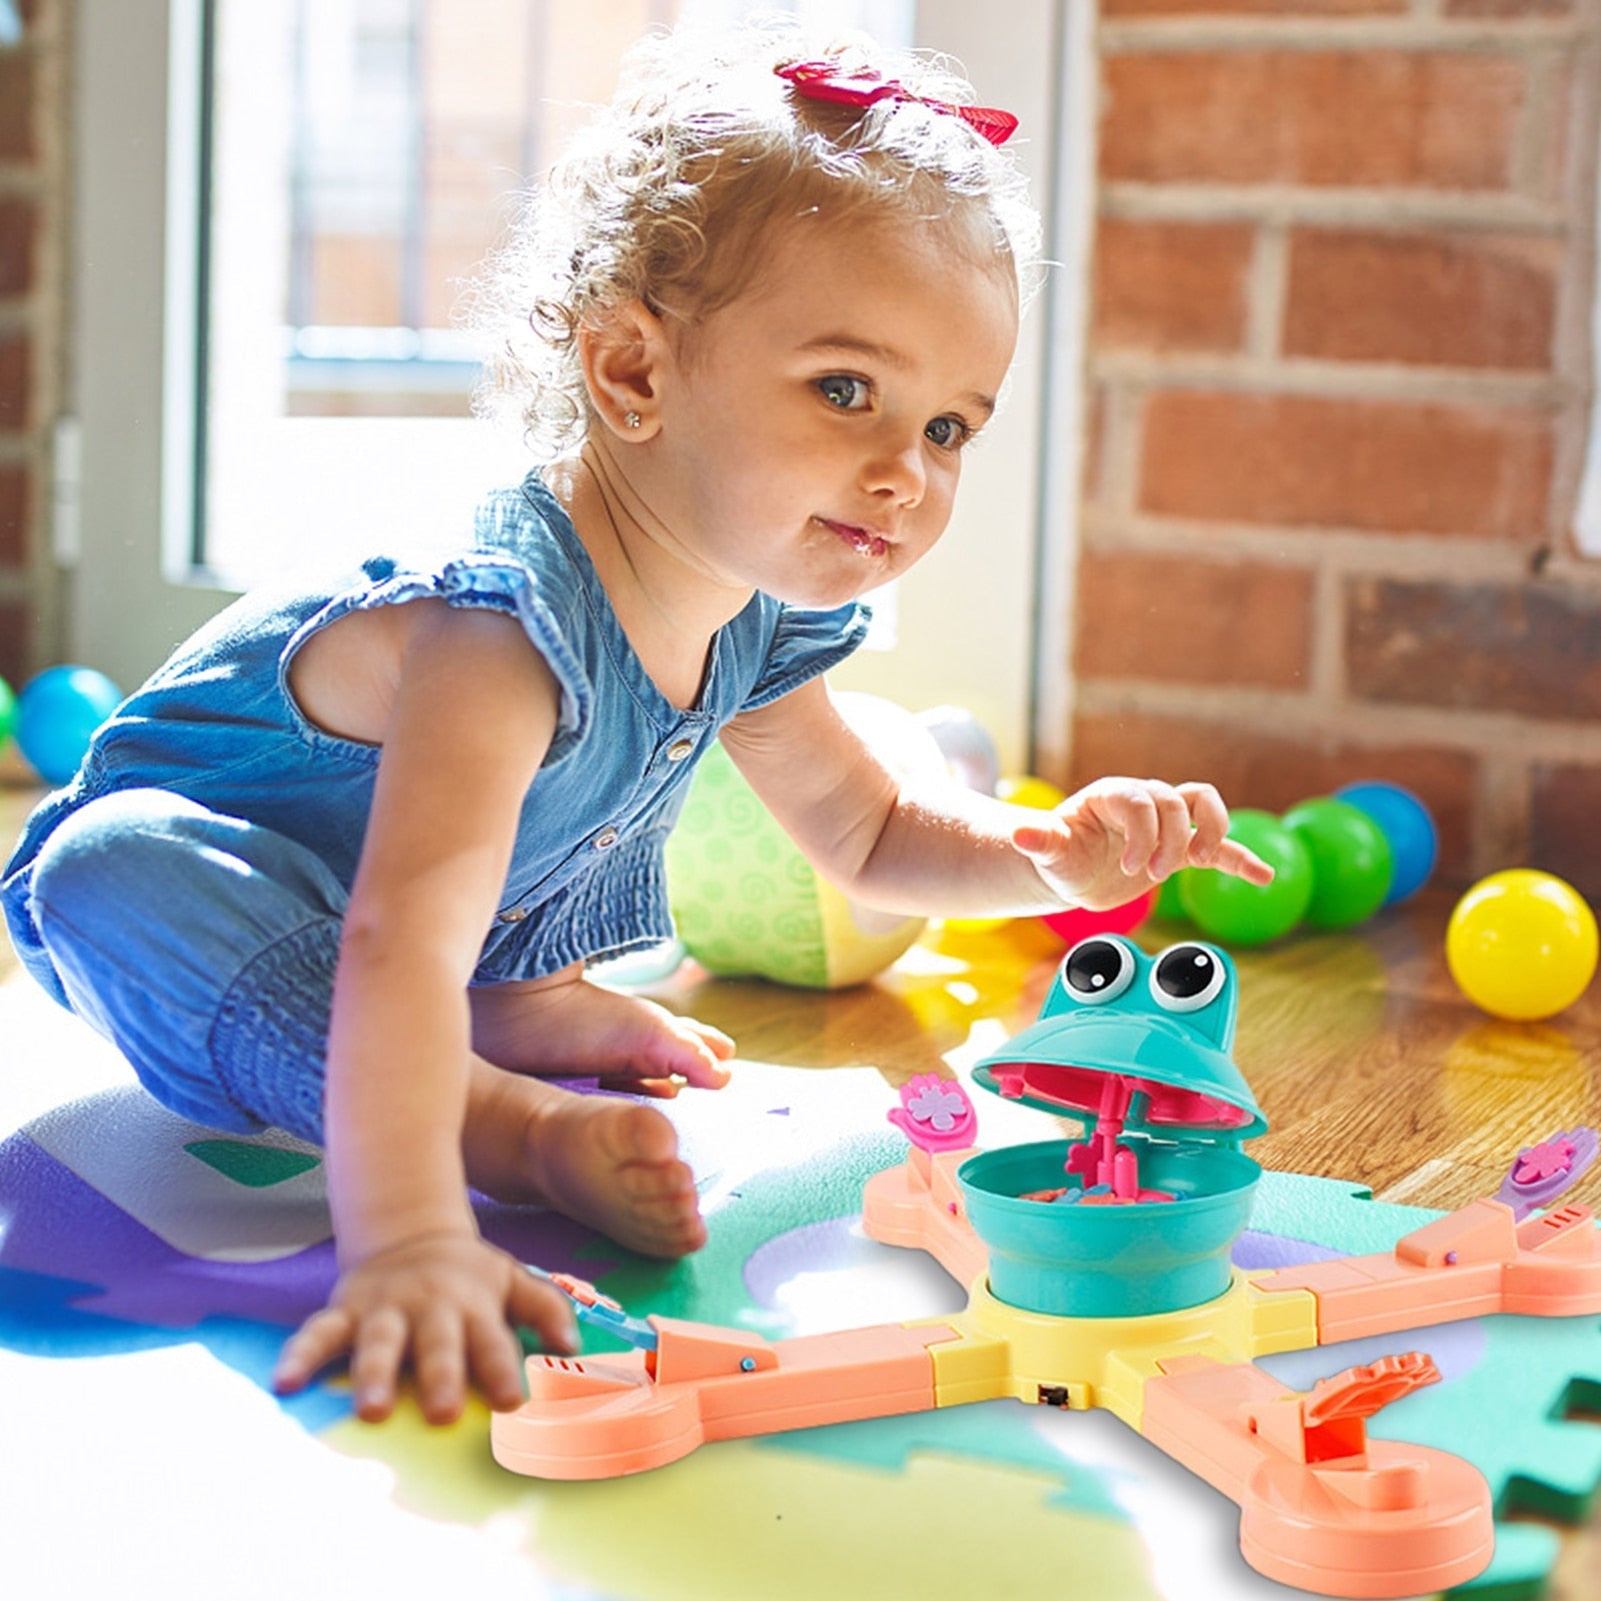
x: 1521, y: 944
x: 1025, y: 790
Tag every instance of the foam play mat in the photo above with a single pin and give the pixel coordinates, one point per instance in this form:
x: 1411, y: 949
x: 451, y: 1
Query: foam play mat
x: 150, y: 1269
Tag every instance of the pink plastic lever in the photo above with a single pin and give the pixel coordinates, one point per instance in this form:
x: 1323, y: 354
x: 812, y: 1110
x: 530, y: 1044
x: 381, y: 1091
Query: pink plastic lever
x: 1542, y: 1172
x: 935, y: 1114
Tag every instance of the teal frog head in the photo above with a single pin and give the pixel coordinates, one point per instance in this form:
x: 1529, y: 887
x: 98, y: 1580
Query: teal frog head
x: 1151, y: 1036
x: 1138, y: 1215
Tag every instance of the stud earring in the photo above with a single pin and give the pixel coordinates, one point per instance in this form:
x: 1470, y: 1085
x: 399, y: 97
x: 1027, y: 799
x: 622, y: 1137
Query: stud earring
x: 631, y: 419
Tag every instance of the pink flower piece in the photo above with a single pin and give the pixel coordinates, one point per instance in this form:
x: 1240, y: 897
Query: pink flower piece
x: 1543, y: 1171
x: 1546, y: 1160
x: 935, y: 1113
x: 937, y: 1106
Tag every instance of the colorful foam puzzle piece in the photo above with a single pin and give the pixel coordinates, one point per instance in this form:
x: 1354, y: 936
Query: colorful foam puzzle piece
x: 88, y: 1268
x: 1514, y: 1399
x: 1517, y: 1395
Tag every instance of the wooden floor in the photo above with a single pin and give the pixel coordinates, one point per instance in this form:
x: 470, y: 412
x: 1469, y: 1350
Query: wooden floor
x: 1367, y: 1061
x: 15, y: 804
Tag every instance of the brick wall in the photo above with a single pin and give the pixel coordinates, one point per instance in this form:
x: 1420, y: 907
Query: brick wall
x: 33, y: 200
x: 1339, y: 369
x: 1339, y: 376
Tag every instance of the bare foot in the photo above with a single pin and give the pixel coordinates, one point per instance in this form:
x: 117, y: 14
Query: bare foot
x: 609, y: 1163
x: 564, y: 1025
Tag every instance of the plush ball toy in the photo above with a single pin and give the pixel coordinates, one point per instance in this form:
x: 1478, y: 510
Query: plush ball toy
x: 748, y: 904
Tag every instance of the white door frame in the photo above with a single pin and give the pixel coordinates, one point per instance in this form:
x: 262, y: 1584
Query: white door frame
x: 131, y: 595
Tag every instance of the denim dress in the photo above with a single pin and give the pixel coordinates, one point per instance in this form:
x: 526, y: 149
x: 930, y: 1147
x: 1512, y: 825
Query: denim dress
x: 184, y: 893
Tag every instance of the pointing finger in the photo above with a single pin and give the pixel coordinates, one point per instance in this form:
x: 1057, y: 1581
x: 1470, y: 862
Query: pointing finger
x: 1233, y: 857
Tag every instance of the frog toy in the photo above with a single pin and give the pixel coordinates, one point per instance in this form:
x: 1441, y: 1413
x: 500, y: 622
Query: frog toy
x: 1099, y: 1275
x: 1137, y: 1050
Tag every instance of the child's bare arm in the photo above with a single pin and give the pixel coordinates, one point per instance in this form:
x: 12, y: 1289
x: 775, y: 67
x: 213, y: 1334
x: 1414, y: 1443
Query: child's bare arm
x: 474, y: 712
x: 938, y: 847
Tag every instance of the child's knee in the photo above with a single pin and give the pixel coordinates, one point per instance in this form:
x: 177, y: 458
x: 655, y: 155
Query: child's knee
x: 197, y: 945
x: 142, y: 857
x: 112, y: 848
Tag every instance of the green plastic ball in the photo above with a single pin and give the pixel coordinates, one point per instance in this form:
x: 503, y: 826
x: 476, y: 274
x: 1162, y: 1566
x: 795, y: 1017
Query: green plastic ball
x: 8, y: 711
x: 1170, y: 899
x: 1352, y: 864
x: 1236, y: 913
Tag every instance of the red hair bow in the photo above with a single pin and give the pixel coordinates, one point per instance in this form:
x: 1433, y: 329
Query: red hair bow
x: 823, y: 80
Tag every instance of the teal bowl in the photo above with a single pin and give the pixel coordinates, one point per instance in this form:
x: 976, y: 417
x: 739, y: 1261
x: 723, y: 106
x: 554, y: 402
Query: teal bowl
x: 1109, y: 1261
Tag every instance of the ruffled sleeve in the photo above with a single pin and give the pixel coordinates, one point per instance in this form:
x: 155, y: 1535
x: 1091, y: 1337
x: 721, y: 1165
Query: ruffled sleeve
x: 804, y: 644
x: 506, y: 584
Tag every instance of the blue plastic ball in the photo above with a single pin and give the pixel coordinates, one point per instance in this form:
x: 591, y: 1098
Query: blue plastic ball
x: 57, y: 714
x: 1407, y: 825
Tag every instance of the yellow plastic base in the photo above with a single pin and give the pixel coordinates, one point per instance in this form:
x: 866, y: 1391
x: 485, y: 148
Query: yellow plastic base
x: 1088, y: 1362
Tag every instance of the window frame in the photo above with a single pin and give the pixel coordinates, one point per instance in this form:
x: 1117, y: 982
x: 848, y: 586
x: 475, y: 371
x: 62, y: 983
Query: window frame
x: 134, y: 589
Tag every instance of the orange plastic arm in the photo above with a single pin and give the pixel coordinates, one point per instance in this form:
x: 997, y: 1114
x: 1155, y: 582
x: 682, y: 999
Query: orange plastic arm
x: 595, y: 1419
x: 1471, y: 1263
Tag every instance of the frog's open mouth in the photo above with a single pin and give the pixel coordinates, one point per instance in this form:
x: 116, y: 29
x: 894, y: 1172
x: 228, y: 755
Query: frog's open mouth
x: 1174, y: 1082
x: 1076, y: 1088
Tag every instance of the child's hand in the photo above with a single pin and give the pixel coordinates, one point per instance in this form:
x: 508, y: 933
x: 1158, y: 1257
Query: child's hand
x: 1118, y: 837
x: 444, y: 1304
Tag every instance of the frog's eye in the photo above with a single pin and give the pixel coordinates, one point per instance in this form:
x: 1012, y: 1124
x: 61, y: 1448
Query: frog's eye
x: 1098, y: 970
x: 1184, y: 978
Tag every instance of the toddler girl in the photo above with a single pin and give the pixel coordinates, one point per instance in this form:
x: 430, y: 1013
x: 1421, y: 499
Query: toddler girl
x: 338, y: 866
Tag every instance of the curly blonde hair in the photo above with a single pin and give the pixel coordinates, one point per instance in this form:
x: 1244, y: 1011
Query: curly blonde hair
x: 666, y: 195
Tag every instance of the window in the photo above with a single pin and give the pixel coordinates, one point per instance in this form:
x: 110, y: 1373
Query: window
x: 362, y: 159
x: 271, y: 362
